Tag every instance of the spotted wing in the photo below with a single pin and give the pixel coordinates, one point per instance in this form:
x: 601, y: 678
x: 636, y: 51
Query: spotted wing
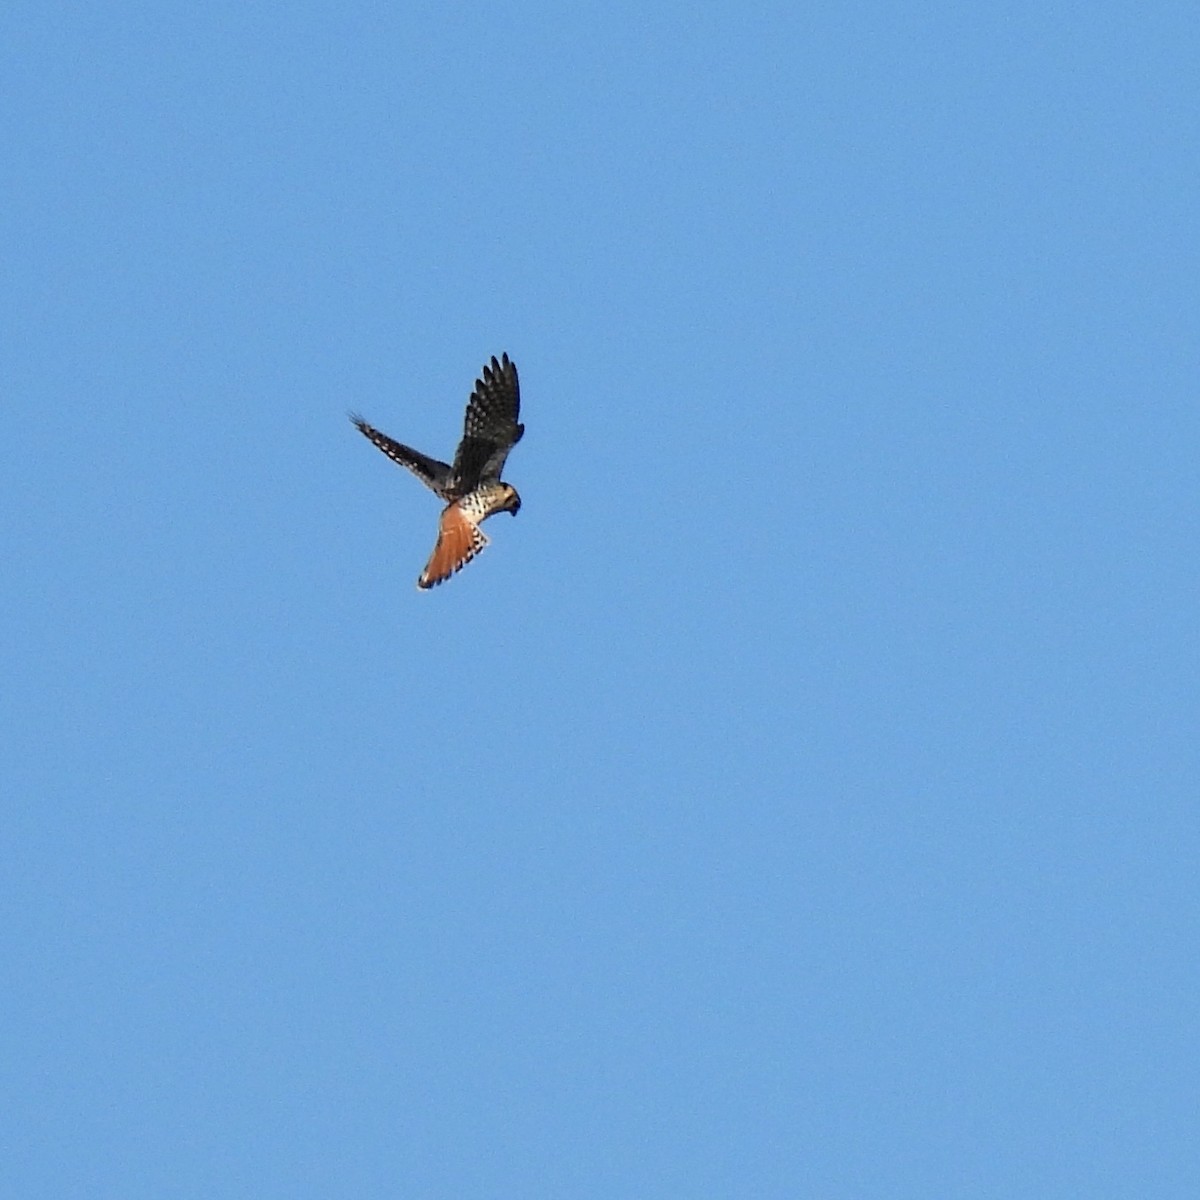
x: 491, y: 429
x: 433, y: 474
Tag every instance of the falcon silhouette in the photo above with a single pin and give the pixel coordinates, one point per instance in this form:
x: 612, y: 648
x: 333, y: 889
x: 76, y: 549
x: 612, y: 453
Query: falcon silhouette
x: 472, y: 484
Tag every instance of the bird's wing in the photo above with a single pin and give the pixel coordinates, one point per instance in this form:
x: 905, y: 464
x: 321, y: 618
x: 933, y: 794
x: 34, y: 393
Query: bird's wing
x: 433, y: 474
x: 491, y: 429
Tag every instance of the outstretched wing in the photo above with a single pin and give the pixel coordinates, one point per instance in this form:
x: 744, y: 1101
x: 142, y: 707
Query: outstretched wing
x: 433, y: 474
x: 491, y: 429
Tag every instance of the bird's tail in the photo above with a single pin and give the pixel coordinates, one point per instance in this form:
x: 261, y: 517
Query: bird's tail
x: 459, y: 540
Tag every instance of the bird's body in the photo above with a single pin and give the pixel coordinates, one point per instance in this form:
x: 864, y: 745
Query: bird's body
x: 471, y: 484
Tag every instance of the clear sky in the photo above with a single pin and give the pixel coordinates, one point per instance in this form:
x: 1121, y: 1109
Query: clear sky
x: 798, y: 798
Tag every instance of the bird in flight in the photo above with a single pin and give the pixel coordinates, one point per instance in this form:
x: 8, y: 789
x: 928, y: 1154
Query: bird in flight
x: 471, y: 484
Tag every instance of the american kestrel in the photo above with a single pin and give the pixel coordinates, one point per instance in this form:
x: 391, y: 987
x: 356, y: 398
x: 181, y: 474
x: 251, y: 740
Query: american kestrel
x: 472, y: 485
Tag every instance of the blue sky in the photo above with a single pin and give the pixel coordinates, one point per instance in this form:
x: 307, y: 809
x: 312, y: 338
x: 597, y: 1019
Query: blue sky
x: 798, y: 798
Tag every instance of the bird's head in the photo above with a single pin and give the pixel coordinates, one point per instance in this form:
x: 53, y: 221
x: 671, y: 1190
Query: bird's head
x: 512, y: 499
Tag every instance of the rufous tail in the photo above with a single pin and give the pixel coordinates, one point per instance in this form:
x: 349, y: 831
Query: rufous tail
x: 459, y: 540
